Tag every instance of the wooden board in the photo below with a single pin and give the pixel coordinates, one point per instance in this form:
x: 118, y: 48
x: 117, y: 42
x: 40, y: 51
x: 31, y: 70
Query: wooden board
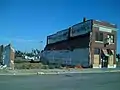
x: 96, y: 59
x: 110, y: 61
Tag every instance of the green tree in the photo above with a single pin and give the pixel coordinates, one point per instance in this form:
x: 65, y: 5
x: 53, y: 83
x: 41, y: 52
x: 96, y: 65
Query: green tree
x: 118, y: 56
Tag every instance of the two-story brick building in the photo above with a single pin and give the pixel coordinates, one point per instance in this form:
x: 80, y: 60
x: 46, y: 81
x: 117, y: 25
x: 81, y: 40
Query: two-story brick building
x: 91, y: 43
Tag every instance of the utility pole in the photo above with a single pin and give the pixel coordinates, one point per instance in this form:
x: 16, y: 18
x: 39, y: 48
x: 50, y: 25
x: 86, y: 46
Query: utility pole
x: 41, y: 42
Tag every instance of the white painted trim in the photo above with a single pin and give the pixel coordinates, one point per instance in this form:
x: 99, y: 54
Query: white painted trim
x: 103, y: 29
x: 100, y: 66
x: 96, y: 66
x: 102, y: 42
x: 109, y: 66
x: 103, y: 21
x: 112, y: 43
x: 99, y: 41
x: 113, y: 66
x: 97, y: 25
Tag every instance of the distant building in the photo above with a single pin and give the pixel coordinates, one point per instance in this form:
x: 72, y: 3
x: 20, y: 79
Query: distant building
x: 1, y: 54
x: 7, y: 55
x: 91, y: 43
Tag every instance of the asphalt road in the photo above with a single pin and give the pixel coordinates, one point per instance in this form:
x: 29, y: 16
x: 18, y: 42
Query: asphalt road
x: 83, y: 81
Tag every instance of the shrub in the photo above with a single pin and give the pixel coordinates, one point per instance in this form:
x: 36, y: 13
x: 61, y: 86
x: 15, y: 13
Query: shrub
x: 44, y: 67
x: 28, y: 65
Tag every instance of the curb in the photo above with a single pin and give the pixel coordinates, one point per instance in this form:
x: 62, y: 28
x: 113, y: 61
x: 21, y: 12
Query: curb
x: 60, y: 73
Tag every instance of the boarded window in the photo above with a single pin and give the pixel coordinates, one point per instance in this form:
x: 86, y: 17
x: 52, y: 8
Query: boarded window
x: 96, y: 36
x: 96, y: 51
x: 99, y: 36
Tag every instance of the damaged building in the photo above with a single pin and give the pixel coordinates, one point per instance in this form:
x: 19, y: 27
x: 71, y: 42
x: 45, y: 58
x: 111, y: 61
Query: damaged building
x: 7, y: 55
x: 91, y: 43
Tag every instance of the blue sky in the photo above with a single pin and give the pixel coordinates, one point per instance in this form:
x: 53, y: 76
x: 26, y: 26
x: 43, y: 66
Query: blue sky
x: 25, y: 23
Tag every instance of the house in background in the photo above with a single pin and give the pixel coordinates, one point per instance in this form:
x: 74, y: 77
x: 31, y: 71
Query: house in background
x: 7, y: 55
x: 91, y: 43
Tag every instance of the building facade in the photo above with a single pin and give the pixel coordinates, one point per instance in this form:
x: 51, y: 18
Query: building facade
x: 91, y: 43
x: 7, y: 55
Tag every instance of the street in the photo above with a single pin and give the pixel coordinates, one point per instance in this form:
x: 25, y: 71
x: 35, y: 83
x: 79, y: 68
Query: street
x: 81, y: 81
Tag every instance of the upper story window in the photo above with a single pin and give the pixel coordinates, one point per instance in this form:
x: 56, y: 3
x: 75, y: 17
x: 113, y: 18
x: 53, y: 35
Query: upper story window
x: 98, y: 36
x: 110, y: 38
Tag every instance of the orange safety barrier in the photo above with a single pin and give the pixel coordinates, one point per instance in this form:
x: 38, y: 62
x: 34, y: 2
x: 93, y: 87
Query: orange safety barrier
x: 79, y: 66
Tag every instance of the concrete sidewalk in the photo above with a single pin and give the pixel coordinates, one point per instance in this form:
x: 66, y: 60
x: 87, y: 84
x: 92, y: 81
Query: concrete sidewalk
x: 54, y: 71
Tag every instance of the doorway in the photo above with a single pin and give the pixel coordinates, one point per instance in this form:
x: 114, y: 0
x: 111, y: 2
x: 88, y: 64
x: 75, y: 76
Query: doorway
x: 104, y: 61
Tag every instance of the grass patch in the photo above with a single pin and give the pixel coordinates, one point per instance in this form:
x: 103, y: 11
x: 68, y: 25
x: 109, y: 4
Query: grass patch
x: 29, y: 65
